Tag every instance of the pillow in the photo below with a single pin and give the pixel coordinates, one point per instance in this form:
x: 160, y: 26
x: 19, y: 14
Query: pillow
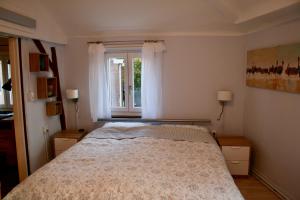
x: 123, y: 124
x: 186, y: 132
x: 187, y: 126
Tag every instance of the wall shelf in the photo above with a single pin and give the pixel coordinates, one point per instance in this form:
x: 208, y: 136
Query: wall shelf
x: 54, y: 108
x: 38, y: 62
x: 46, y: 87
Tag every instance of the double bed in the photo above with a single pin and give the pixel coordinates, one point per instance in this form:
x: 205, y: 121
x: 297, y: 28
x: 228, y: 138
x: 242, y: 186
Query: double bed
x: 135, y: 161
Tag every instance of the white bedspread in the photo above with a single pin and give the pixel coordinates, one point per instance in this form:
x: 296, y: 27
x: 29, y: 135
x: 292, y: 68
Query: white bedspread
x: 134, y: 163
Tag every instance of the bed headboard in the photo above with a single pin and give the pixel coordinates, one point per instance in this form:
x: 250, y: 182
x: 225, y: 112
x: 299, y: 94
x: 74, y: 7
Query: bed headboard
x: 202, y: 122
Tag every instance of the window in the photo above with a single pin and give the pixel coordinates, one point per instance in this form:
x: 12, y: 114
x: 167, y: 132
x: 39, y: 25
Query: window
x: 9, y: 77
x: 5, y: 74
x: 125, y: 83
x: 2, y: 102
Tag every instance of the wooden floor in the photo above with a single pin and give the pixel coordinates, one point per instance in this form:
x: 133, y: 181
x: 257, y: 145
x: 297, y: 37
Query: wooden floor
x: 252, y: 189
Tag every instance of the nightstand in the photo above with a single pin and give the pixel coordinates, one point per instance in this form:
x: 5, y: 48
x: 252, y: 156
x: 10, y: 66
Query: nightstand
x: 65, y: 139
x: 236, y: 151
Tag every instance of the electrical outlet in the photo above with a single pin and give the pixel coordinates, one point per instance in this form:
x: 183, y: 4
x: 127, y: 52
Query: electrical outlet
x: 214, y: 133
x: 31, y: 96
x: 45, y: 129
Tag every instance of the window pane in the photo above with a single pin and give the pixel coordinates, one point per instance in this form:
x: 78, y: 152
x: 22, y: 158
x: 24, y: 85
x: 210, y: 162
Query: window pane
x: 117, y: 70
x: 1, y: 83
x: 137, y: 67
x: 9, y: 76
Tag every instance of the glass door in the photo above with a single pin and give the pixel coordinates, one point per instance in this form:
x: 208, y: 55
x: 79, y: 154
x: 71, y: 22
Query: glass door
x: 125, y: 82
x: 118, y: 81
x: 135, y: 78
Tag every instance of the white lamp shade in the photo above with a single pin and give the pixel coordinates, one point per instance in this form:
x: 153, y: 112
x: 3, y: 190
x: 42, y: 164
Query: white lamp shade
x: 224, y: 95
x: 72, y: 93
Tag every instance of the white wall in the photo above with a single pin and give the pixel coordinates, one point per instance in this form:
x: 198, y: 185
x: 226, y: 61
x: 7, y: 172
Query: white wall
x: 47, y: 29
x: 194, y: 69
x: 272, y: 121
x: 35, y: 111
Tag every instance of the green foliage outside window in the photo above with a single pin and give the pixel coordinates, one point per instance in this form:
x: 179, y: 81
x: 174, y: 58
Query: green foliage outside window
x: 137, y: 68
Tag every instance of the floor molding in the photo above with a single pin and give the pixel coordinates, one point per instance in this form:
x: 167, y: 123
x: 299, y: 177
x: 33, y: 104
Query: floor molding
x: 273, y: 187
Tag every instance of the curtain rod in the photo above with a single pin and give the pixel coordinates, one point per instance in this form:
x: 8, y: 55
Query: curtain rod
x: 121, y: 42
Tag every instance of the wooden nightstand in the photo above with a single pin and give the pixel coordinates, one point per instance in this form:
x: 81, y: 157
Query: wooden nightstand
x: 65, y: 139
x: 236, y: 151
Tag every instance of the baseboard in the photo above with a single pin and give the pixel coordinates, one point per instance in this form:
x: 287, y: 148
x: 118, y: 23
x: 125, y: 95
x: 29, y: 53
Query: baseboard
x: 273, y: 187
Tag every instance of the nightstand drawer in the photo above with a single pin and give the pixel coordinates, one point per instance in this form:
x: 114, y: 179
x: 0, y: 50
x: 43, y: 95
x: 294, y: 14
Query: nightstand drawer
x: 236, y: 152
x: 62, y: 144
x: 238, y: 167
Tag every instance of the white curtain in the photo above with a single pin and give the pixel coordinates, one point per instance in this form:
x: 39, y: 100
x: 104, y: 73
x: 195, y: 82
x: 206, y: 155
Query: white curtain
x: 98, y: 83
x: 152, y: 58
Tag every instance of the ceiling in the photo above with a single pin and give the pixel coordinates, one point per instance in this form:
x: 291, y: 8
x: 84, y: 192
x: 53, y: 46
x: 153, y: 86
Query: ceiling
x: 169, y: 17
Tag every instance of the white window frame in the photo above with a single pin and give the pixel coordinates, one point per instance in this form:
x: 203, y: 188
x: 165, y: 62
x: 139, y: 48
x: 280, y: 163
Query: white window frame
x: 131, y: 56
x: 129, y: 109
x: 124, y: 56
x: 4, y: 62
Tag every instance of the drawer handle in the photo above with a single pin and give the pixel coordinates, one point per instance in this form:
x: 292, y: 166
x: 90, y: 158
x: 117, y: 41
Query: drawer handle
x: 235, y: 147
x: 235, y: 162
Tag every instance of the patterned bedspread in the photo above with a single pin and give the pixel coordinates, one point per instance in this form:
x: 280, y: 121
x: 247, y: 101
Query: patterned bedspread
x: 128, y: 168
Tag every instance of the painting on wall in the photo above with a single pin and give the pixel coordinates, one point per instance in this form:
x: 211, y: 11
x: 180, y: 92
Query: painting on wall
x: 276, y: 68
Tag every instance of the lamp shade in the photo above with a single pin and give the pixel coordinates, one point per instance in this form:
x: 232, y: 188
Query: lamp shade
x: 7, y: 86
x: 224, y: 95
x: 72, y: 93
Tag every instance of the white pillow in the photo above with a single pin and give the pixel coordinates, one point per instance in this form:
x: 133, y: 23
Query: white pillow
x: 123, y: 124
x: 187, y: 126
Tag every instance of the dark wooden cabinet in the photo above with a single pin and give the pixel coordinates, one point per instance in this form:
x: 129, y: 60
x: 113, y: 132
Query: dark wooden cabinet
x: 8, y: 151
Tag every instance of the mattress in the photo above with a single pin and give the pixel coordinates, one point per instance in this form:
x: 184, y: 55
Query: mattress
x: 135, y: 162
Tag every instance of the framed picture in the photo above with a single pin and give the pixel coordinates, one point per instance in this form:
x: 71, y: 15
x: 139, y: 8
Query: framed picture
x: 275, y: 68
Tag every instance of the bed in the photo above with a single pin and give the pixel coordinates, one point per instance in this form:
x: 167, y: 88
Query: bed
x: 135, y: 161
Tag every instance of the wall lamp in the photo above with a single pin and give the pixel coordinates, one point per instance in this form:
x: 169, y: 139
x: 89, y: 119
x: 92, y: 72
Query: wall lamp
x: 223, y: 97
x: 73, y: 94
